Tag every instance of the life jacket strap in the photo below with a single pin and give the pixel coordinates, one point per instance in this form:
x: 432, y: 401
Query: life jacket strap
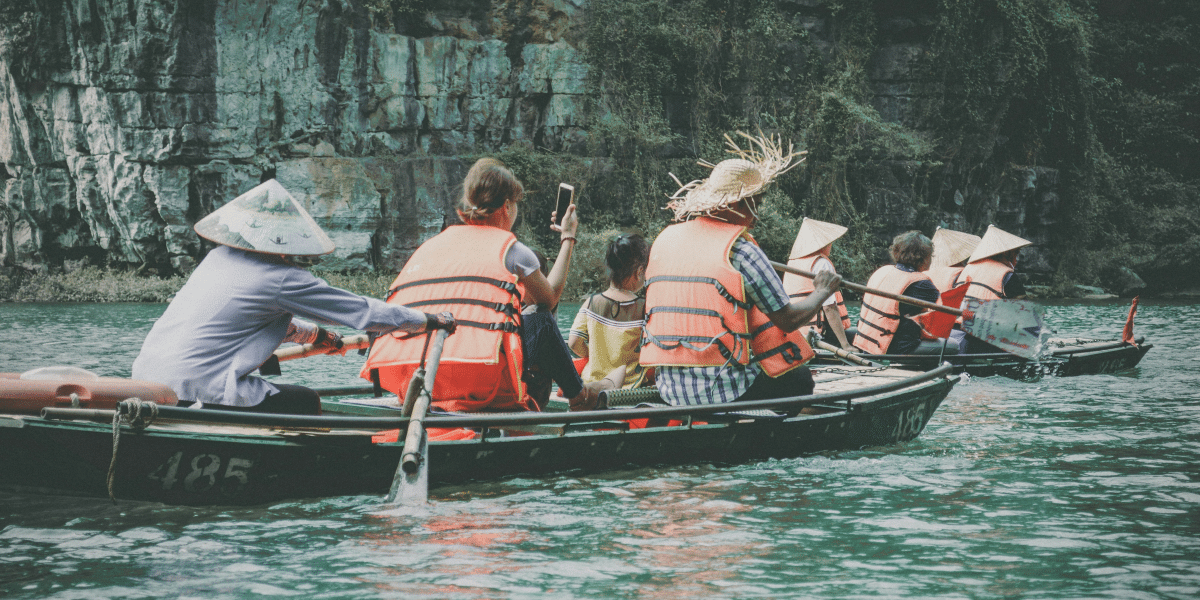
x: 790, y: 351
x: 499, y: 307
x: 507, y: 286
x: 721, y: 289
x: 685, y: 310
x: 504, y: 326
x: 986, y: 287
x: 879, y: 312
x: 671, y: 342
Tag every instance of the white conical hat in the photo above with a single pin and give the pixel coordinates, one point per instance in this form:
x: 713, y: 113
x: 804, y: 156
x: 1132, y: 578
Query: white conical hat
x: 997, y: 241
x: 266, y: 219
x: 731, y: 180
x: 815, y: 235
x: 952, y: 247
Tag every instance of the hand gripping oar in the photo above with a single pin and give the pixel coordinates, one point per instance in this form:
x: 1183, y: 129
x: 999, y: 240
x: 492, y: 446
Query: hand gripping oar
x: 1015, y: 326
x: 410, y: 486
x: 353, y: 342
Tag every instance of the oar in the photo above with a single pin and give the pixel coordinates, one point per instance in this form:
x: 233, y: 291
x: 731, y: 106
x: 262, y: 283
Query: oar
x: 842, y: 354
x: 1015, y: 326
x: 354, y: 342
x: 410, y: 486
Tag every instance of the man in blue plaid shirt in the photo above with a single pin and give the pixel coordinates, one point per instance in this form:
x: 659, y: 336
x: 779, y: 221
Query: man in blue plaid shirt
x: 731, y: 195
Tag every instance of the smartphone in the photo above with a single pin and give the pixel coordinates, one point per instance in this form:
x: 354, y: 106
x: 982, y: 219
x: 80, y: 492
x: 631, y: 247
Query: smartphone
x: 566, y: 193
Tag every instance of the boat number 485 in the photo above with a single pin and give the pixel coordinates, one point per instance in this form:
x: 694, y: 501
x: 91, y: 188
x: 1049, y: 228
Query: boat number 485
x: 909, y: 423
x: 203, y: 472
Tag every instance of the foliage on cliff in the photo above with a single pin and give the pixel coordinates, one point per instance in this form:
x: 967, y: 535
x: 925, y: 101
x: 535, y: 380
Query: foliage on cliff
x: 1105, y: 93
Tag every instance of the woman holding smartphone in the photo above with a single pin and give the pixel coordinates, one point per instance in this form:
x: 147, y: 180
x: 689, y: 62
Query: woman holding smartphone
x: 482, y: 274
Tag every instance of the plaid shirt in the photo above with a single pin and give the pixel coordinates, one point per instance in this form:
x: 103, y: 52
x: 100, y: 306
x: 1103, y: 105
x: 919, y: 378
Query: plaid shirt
x: 712, y: 385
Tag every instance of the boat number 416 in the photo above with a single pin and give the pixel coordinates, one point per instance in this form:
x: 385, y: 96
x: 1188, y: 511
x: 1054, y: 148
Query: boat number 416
x: 909, y: 423
x: 203, y: 472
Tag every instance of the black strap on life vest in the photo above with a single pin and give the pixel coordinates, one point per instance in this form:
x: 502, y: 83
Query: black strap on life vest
x: 721, y: 289
x: 499, y: 307
x: 868, y: 338
x: 879, y: 312
x: 504, y: 326
x: 684, y: 310
x: 790, y: 351
x: 507, y: 286
x: 672, y: 342
x: 988, y: 288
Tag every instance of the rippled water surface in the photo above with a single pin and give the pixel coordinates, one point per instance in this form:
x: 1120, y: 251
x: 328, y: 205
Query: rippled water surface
x: 1084, y: 487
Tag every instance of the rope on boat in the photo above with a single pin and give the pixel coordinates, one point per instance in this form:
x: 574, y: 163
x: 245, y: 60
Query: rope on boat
x: 129, y: 411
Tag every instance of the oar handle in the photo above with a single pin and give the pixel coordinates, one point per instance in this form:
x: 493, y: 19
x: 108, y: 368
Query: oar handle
x: 838, y: 352
x: 858, y: 287
x: 410, y: 459
x: 354, y: 342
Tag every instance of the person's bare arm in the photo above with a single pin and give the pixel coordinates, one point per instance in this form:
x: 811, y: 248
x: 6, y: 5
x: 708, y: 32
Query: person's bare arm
x: 834, y: 318
x: 547, y: 289
x: 792, y: 316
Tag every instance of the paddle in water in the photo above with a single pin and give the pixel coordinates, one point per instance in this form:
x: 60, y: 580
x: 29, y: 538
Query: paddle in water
x: 410, y: 486
x: 1015, y: 326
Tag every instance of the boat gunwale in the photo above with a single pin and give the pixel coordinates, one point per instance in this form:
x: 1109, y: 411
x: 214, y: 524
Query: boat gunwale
x: 288, y: 422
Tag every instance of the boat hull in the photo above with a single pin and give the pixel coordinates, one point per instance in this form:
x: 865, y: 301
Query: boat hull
x: 1094, y: 359
x: 224, y: 466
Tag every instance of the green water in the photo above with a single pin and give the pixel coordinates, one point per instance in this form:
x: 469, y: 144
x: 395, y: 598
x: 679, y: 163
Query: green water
x: 1083, y: 487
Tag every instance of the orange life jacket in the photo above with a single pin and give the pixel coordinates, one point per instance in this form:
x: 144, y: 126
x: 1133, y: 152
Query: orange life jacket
x: 986, y: 277
x: 879, y: 317
x: 696, y: 309
x: 460, y: 270
x: 800, y: 287
x: 944, y: 277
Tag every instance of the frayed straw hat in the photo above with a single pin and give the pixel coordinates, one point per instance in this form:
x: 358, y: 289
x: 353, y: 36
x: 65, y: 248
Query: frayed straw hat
x: 731, y: 180
x: 997, y: 241
x: 815, y: 235
x: 266, y: 219
x: 952, y: 247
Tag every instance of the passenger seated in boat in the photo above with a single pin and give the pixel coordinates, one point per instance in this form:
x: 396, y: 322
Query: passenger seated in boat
x: 811, y: 252
x: 951, y: 250
x: 241, y: 302
x: 608, y: 327
x: 486, y: 277
x: 990, y: 273
x: 719, y: 325
x: 887, y: 326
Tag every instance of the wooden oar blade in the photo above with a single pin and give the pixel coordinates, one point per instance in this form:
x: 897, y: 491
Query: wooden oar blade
x: 1015, y: 326
x: 412, y: 489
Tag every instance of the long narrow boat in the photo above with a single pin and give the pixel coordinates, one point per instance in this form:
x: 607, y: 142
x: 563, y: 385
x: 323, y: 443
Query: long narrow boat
x: 205, y: 457
x: 1066, y: 357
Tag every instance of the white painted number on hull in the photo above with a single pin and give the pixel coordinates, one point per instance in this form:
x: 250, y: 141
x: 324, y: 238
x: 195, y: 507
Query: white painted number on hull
x: 202, y: 473
x: 909, y: 423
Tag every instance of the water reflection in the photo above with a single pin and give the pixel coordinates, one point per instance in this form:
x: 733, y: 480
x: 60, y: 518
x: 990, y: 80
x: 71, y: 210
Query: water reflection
x: 1075, y: 487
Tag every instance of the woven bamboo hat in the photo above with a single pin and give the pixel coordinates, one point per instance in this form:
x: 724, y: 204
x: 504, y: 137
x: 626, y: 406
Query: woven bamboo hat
x: 815, y: 235
x: 266, y: 219
x: 952, y: 247
x: 731, y: 180
x: 997, y: 241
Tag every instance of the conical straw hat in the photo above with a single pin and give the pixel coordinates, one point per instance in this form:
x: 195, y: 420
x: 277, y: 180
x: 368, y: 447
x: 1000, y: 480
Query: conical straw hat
x: 266, y: 219
x: 731, y: 180
x: 997, y: 241
x: 952, y: 247
x: 815, y: 235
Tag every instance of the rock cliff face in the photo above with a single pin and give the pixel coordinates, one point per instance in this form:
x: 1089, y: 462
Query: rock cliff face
x: 124, y: 122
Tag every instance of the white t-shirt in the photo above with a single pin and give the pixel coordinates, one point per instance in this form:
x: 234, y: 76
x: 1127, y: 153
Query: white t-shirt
x: 823, y: 264
x: 521, y: 261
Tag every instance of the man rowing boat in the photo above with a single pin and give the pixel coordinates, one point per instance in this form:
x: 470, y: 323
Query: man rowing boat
x: 241, y: 302
x: 719, y: 325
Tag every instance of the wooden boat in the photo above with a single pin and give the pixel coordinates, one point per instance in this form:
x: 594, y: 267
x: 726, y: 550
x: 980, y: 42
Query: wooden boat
x: 206, y: 457
x: 1067, y: 357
